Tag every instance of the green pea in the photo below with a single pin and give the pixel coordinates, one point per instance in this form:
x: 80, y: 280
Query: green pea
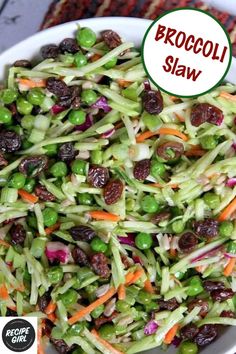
x: 79, y: 167
x: 98, y: 311
x: 98, y: 245
x: 143, y: 241
x: 5, y: 115
x: 88, y: 96
x: 36, y: 96
x: 90, y: 289
x: 77, y: 283
x: 77, y: 117
x: 157, y: 169
x: 178, y: 226
x: 51, y: 149
x: 9, y: 95
x: 111, y: 63
x: 32, y: 221
x: 37, y: 247
x: 208, y: 142
x: 80, y: 60
x: 29, y: 185
x: 130, y: 93
x: 69, y: 297
x: 149, y: 204
x: 231, y: 247
x: 144, y: 297
x: 76, y: 329
x: 85, y: 199
x: 86, y: 37
x: 195, y: 286
x: 27, y: 122
x: 226, y: 228
x: 17, y: 180
x: 107, y: 331
x: 96, y: 156
x: 23, y: 106
x: 188, y: 348
x: 50, y: 217
x: 122, y: 306
x: 55, y: 274
x: 212, y: 200
x: 59, y: 169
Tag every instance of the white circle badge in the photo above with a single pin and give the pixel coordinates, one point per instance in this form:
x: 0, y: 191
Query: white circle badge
x: 186, y: 52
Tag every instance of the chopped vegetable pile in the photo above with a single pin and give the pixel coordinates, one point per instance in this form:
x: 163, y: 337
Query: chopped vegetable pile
x: 118, y: 202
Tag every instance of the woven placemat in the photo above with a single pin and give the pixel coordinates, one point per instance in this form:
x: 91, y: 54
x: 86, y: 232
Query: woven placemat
x: 62, y: 11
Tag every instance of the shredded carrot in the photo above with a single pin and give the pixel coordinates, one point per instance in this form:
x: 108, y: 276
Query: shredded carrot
x: 13, y: 308
x: 124, y: 83
x: 171, y: 334
x: 103, y: 215
x: 111, y: 349
x: 159, y: 185
x: 129, y: 276
x: 31, y: 198
x: 3, y: 292
x: 32, y: 83
x: 162, y: 131
x: 52, y: 317
x: 21, y: 288
x: 40, y: 349
x: 52, y: 228
x: 148, y: 286
x: 230, y: 267
x: 173, y: 252
x: 50, y: 308
x: 195, y: 152
x: 228, y: 211
x: 180, y: 118
x: 121, y: 292
x: 95, y: 57
x: 228, y: 96
x: 87, y: 310
x: 137, y: 275
x: 199, y: 269
x: 118, y: 125
x: 5, y: 244
x: 174, y: 98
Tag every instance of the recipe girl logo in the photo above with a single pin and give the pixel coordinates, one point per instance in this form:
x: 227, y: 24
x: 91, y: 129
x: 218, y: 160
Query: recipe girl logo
x: 186, y: 52
x: 18, y: 335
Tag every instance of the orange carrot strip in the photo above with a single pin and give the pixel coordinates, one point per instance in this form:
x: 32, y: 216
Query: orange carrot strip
x: 159, y: 185
x: 50, y: 308
x: 173, y: 252
x: 230, y: 267
x: 105, y: 343
x: 31, y: 198
x: 121, y: 292
x: 228, y: 96
x: 31, y: 83
x: 87, y: 310
x: 5, y: 244
x: 52, y: 228
x: 119, y: 125
x: 3, y: 292
x: 171, y: 334
x: 52, y: 317
x: 129, y: 276
x: 228, y: 211
x: 103, y: 215
x: 199, y: 269
x: 95, y: 57
x: 137, y: 276
x: 148, y: 286
x: 180, y: 118
x: 40, y: 349
x: 195, y: 152
x: 124, y: 83
x: 162, y: 131
x: 13, y: 308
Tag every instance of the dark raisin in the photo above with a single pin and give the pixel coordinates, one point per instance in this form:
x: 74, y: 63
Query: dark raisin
x: 170, y: 150
x: 205, y: 112
x: 9, y: 141
x: 222, y: 295
x: 207, y: 228
x: 11, y: 313
x: 169, y: 305
x: 142, y: 169
x: 98, y: 176
x: 228, y: 314
x: 152, y: 101
x: 44, y: 194
x: 99, y: 263
x: 200, y: 303
x: 103, y: 319
x: 80, y: 257
x: 32, y: 166
x: 66, y: 152
x: 187, y: 242
x: 61, y: 346
x: 18, y: 234
x: 207, y: 333
x: 43, y: 301
x: 189, y: 331
x: 111, y: 38
x: 162, y: 216
x: 113, y: 191
x: 57, y: 87
x: 50, y: 51
x: 15, y: 114
x: 213, y: 285
x: 71, y: 100
x: 23, y: 64
x: 3, y: 161
x: 69, y: 45
x: 47, y: 328
x: 36, y: 110
x: 82, y: 233
x: 125, y: 261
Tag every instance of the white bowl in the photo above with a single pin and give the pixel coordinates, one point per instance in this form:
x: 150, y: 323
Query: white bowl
x: 131, y: 29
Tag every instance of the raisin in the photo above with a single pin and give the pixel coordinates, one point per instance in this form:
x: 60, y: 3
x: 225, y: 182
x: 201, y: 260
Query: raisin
x: 57, y: 87
x: 113, y: 191
x: 98, y: 176
x: 170, y: 150
x: 222, y: 295
x: 187, y: 242
x: 189, y: 331
x: 162, y: 216
x: 125, y: 261
x: 72, y: 99
x: 15, y: 114
x: 11, y: 313
x: 43, y: 301
x: 111, y: 38
x: 200, y: 303
x: 142, y: 169
x: 99, y: 263
x: 82, y: 233
x: 18, y: 234
x: 207, y: 228
x: 103, y: 319
x: 3, y: 161
x: 67, y: 152
x: 228, y: 314
x: 169, y: 305
x: 23, y: 64
x: 69, y: 45
x: 207, y: 333
x: 61, y: 346
x: 205, y: 112
x: 9, y: 141
x: 50, y: 51
x: 213, y: 285
x: 44, y: 194
x: 80, y: 257
x: 32, y: 166
x: 152, y: 101
x: 36, y: 110
x: 47, y: 328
